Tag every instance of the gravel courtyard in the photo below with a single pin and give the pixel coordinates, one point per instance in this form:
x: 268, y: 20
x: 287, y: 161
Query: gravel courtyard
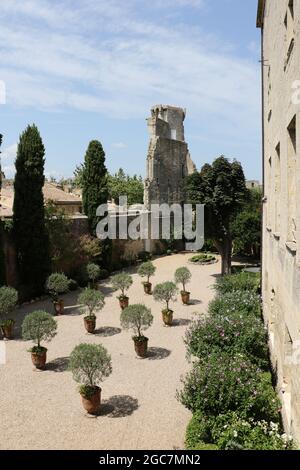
x: 42, y: 409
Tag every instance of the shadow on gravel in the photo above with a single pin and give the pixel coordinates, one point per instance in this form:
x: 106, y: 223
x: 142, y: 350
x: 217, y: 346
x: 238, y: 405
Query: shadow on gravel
x: 105, y: 331
x: 60, y: 364
x: 157, y: 354
x: 118, y: 406
x: 181, y: 322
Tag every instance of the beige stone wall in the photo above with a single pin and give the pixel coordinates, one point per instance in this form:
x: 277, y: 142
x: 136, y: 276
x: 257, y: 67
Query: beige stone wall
x: 281, y: 228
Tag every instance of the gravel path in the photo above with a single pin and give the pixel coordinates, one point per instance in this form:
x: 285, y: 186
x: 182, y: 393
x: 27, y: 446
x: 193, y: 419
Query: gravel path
x: 42, y: 409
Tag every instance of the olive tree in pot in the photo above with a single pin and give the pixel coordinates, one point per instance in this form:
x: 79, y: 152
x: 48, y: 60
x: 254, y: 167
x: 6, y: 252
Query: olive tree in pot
x: 90, y: 364
x: 138, y: 318
x: 57, y: 284
x: 147, y: 270
x: 164, y: 293
x: 92, y: 300
x: 8, y: 301
x: 183, y: 276
x: 93, y: 272
x: 39, y: 326
x: 122, y: 282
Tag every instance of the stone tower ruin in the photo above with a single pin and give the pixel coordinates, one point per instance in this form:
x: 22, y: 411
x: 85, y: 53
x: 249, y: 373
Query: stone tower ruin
x: 168, y: 160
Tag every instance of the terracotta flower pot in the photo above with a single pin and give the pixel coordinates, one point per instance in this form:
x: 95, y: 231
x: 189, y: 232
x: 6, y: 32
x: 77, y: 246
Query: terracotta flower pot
x: 141, y: 346
x: 185, y: 297
x: 167, y: 316
x: 147, y: 288
x: 90, y: 324
x: 59, y: 307
x: 124, y: 302
x: 39, y: 358
x: 92, y: 403
x: 7, y: 330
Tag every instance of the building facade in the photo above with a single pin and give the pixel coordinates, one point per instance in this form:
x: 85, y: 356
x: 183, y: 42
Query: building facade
x: 279, y: 21
x: 168, y: 159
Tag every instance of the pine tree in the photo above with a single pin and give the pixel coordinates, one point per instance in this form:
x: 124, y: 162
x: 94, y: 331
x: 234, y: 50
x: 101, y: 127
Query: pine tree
x: 94, y: 183
x: 30, y: 235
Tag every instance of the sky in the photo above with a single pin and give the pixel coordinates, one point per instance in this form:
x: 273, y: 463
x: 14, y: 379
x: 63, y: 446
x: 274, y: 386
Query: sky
x: 92, y: 69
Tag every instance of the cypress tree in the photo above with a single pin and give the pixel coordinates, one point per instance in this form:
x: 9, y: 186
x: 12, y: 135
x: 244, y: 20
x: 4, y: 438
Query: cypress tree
x: 30, y: 235
x: 94, y: 183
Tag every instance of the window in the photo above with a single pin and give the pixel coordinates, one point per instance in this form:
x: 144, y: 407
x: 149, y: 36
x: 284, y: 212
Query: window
x: 291, y: 179
x: 173, y: 134
x: 277, y: 198
x: 290, y: 33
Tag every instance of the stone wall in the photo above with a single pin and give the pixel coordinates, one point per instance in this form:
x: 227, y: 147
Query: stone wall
x: 281, y: 213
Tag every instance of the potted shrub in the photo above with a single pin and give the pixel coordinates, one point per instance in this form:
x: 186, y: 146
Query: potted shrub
x: 8, y: 301
x: 57, y: 284
x: 138, y: 318
x: 93, y: 272
x: 90, y: 364
x: 183, y: 276
x: 147, y: 270
x: 39, y: 326
x: 165, y: 293
x: 122, y: 282
x: 92, y: 299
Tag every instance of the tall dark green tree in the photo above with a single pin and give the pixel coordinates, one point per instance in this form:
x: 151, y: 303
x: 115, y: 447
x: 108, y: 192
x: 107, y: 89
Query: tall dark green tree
x: 30, y: 234
x: 94, y: 183
x: 222, y: 188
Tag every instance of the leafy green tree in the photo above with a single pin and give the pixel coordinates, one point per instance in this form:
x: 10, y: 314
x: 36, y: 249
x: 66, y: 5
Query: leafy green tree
x: 94, y: 183
x: 246, y: 227
x: 222, y: 188
x: 121, y: 184
x: 30, y: 234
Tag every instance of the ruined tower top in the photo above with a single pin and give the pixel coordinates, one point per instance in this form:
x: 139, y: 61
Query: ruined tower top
x: 167, y: 121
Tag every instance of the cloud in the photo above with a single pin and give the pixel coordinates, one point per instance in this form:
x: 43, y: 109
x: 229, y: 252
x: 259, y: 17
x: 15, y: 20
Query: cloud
x: 104, y: 57
x: 9, y: 153
x: 119, y: 145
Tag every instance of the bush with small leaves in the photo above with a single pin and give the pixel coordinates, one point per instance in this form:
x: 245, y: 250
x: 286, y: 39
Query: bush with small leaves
x: 92, y: 300
x: 202, y: 259
x: 38, y: 326
x: 199, y: 430
x: 165, y: 292
x: 235, y: 333
x: 138, y: 318
x: 236, y: 302
x: 232, y: 432
x: 147, y: 270
x: 238, y: 282
x: 183, y: 276
x: 56, y: 284
x: 90, y: 364
x: 122, y: 282
x: 93, y: 272
x: 8, y: 302
x: 226, y: 382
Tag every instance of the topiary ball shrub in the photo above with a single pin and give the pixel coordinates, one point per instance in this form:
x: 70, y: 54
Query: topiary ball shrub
x: 138, y: 318
x: 8, y: 302
x: 165, y: 293
x: 122, y: 282
x: 90, y: 364
x: 147, y: 270
x: 237, y: 282
x: 226, y: 382
x: 92, y: 300
x: 56, y: 284
x: 183, y: 276
x: 232, y: 334
x: 93, y: 272
x: 39, y: 326
x: 236, y: 302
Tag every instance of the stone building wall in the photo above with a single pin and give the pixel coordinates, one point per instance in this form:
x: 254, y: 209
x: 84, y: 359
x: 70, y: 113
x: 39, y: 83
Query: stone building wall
x: 168, y: 160
x: 280, y: 23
